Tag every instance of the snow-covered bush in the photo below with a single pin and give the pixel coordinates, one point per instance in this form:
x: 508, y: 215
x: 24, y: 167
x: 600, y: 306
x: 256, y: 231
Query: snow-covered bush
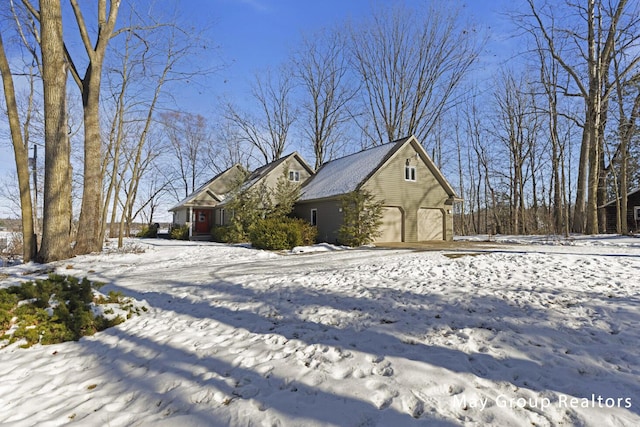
x: 58, y: 309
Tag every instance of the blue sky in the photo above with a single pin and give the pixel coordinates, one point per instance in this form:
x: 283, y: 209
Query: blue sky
x: 255, y: 34
x: 252, y: 35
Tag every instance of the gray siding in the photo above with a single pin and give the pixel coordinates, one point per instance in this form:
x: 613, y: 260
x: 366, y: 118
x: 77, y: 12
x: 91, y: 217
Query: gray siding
x: 329, y: 217
x: 180, y: 216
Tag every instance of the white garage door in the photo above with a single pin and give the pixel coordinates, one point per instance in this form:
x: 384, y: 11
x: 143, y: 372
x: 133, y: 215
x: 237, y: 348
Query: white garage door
x: 430, y: 224
x: 391, y: 228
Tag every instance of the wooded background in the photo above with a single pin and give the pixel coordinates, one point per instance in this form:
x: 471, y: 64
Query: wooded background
x: 537, y: 147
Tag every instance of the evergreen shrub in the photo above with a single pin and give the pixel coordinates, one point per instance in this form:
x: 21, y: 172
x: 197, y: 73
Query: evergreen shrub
x: 281, y: 233
x: 148, y: 231
x: 55, y: 310
x: 179, y: 232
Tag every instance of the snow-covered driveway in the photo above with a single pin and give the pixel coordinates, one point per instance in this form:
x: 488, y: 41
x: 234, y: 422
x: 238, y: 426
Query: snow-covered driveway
x: 523, y: 335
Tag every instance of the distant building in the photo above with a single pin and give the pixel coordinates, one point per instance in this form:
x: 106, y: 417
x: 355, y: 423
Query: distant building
x: 633, y: 213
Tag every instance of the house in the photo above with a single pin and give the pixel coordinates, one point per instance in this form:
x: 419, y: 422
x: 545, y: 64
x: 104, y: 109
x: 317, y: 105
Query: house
x: 292, y: 167
x: 417, y: 198
x: 633, y: 213
x: 197, y: 209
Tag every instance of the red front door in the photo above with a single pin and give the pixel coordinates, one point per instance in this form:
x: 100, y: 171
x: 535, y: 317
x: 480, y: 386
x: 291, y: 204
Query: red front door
x: 203, y: 221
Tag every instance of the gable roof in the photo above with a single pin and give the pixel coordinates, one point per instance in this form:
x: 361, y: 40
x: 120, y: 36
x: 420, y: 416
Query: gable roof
x: 613, y: 202
x: 347, y: 174
x: 204, y: 189
x: 265, y: 170
x: 343, y: 175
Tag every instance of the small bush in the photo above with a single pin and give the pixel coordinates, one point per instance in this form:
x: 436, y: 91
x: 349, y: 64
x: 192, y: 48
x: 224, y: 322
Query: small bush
x: 221, y: 233
x: 54, y: 310
x: 309, y: 232
x: 274, y: 234
x: 281, y: 233
x: 179, y: 232
x: 232, y: 233
x: 148, y: 231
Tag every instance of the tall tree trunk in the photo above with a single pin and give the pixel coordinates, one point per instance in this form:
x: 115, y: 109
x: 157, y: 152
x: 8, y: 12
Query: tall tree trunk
x: 592, y: 188
x: 579, y: 219
x: 21, y: 154
x: 558, y: 183
x: 89, y: 225
x: 57, y: 186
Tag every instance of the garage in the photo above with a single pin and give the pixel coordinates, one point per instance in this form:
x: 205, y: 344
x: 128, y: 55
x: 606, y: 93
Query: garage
x: 391, y: 228
x: 430, y: 224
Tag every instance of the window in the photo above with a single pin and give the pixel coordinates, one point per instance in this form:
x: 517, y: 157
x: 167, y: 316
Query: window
x: 314, y: 216
x: 294, y: 176
x: 636, y: 213
x: 409, y: 173
x: 221, y: 216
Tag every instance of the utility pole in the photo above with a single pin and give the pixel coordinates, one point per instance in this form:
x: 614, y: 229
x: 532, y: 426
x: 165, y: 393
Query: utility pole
x: 33, y: 162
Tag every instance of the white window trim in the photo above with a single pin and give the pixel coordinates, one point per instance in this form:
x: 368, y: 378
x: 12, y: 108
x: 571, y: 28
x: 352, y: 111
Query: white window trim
x: 314, y: 217
x: 294, y: 176
x: 636, y: 213
x: 410, y: 173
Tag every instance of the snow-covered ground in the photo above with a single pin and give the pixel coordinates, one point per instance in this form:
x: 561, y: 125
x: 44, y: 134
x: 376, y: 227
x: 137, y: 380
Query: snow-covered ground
x: 538, y: 333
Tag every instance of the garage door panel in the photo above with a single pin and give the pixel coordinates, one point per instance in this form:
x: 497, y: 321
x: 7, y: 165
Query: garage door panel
x: 391, y: 227
x: 430, y: 224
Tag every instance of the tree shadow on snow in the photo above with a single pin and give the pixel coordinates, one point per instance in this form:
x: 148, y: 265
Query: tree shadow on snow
x: 165, y: 366
x: 284, y: 310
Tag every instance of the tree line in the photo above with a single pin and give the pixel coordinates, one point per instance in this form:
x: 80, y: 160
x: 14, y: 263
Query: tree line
x: 534, y: 144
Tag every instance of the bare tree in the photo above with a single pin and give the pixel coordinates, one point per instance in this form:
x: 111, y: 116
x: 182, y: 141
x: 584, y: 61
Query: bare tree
x: 627, y: 127
x: 410, y: 63
x: 90, y: 224
x: 482, y: 194
x: 57, y: 194
x: 189, y: 137
x: 516, y: 127
x: 149, y: 60
x: 154, y: 188
x: 585, y: 51
x: 140, y: 159
x: 89, y: 83
x: 321, y: 67
x: 463, y: 227
x: 21, y: 154
x: 268, y: 131
x: 230, y: 148
x: 549, y: 82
